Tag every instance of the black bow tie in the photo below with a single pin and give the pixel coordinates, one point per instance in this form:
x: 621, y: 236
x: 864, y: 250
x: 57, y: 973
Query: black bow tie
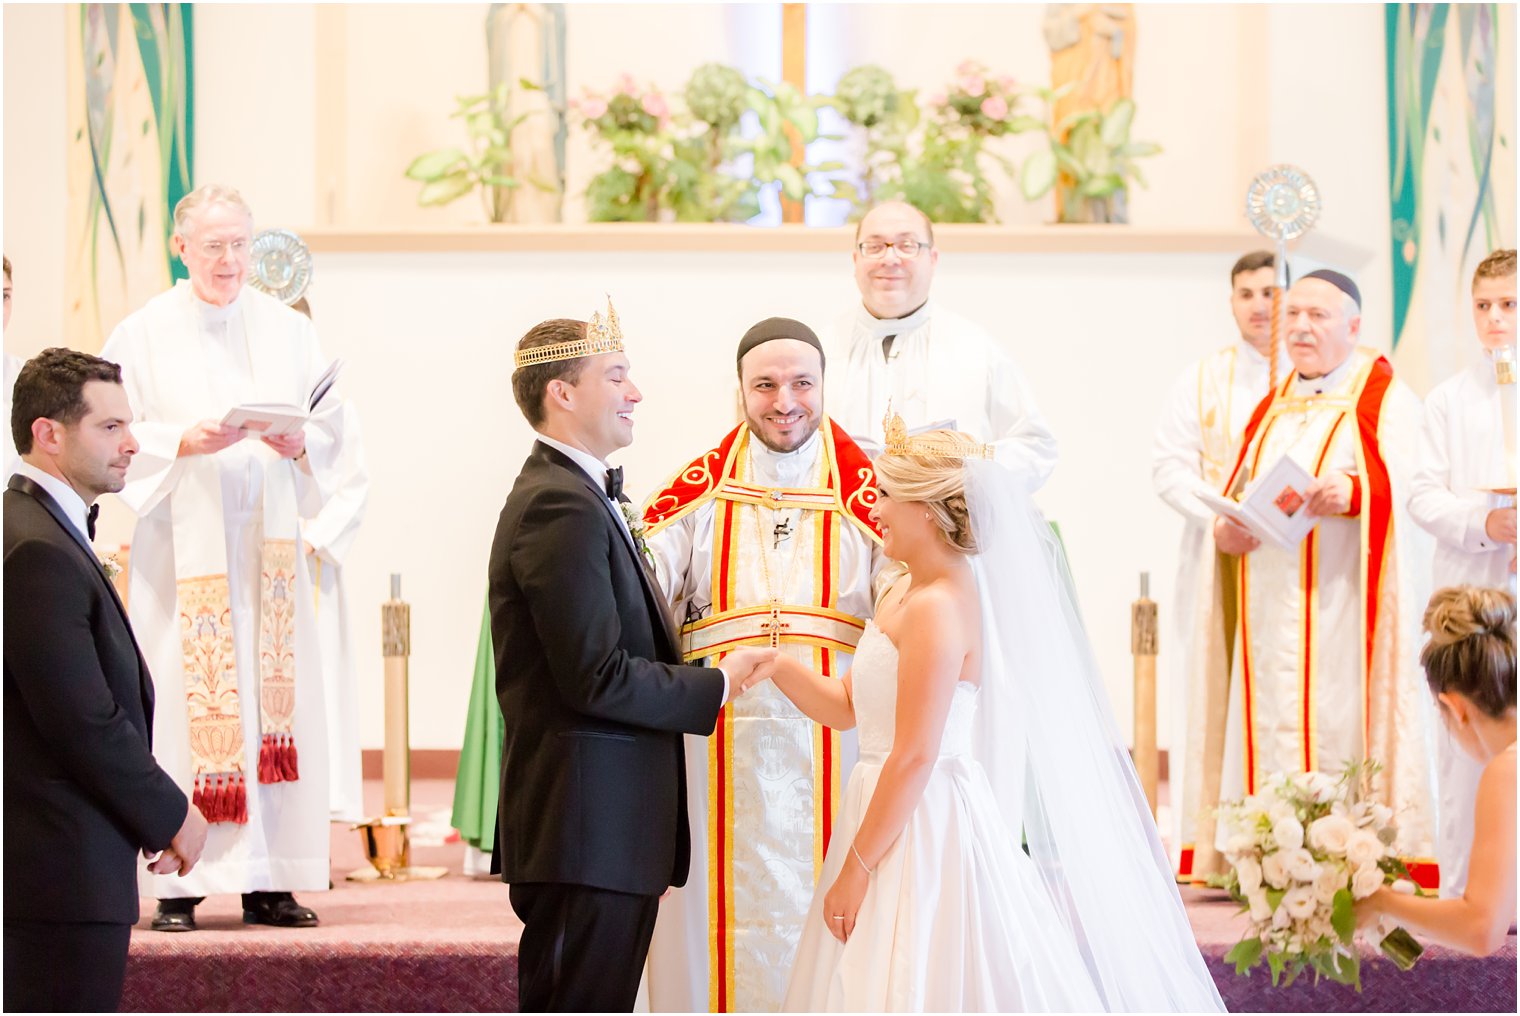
x: 89, y: 520
x: 615, y: 483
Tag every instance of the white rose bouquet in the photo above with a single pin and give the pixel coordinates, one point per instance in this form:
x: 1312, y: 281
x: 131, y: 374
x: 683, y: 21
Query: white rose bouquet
x: 1303, y: 849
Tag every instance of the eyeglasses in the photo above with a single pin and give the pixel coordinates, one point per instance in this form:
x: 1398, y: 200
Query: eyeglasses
x: 216, y: 248
x: 877, y: 249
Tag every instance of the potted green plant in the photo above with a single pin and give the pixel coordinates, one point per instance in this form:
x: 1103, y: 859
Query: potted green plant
x: 1092, y: 155
x: 484, y: 163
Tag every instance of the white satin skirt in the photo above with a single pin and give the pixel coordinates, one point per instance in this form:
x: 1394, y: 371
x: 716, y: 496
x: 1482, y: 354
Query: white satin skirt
x: 956, y: 917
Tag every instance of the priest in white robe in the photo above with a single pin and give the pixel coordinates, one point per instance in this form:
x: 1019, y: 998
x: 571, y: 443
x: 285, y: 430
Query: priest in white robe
x: 765, y: 540
x: 221, y: 598
x: 936, y: 368
x: 1196, y: 444
x: 1326, y: 669
x: 1467, y: 455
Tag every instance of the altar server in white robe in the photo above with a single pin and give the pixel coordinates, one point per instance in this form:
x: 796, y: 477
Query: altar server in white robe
x: 328, y: 540
x: 1196, y: 444
x: 764, y: 540
x: 220, y: 597
x: 1467, y: 452
x: 934, y: 366
x: 1326, y: 666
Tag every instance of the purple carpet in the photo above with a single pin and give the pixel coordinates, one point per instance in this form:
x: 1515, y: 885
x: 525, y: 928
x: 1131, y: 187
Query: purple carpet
x: 451, y: 945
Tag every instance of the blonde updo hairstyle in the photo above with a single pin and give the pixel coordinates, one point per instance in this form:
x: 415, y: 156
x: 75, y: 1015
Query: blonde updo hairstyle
x: 938, y: 482
x: 1472, y: 647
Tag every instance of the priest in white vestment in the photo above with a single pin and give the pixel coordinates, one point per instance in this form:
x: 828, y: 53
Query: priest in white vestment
x: 1196, y: 444
x: 221, y: 598
x: 765, y: 540
x: 935, y: 367
x: 1467, y: 455
x: 1326, y: 668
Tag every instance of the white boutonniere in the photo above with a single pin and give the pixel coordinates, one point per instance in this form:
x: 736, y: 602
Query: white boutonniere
x: 111, y: 566
x: 636, y: 528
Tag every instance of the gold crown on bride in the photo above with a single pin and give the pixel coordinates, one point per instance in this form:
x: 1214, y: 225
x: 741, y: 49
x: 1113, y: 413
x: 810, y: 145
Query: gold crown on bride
x: 603, y: 335
x: 947, y: 444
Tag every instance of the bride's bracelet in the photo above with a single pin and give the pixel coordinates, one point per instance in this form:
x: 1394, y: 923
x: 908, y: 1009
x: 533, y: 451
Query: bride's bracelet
x: 862, y: 860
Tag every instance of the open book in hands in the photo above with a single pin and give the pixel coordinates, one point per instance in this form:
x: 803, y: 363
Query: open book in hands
x: 1272, y: 506
x: 272, y: 419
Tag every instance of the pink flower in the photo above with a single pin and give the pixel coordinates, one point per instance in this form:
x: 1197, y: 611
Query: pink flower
x: 593, y: 107
x: 1007, y: 83
x: 626, y: 85
x: 968, y: 68
x: 655, y: 105
x: 972, y: 84
x: 939, y: 99
x: 994, y: 107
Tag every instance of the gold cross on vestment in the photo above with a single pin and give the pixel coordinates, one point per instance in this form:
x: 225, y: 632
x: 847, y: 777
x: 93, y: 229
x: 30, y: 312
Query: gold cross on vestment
x: 775, y: 626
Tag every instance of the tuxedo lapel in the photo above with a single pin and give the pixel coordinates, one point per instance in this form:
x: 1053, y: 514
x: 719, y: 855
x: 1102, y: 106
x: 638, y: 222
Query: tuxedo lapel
x: 31, y: 488
x: 661, y: 608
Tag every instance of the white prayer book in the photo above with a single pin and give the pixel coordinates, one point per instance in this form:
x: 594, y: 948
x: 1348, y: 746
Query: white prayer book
x: 272, y: 419
x: 1272, y: 505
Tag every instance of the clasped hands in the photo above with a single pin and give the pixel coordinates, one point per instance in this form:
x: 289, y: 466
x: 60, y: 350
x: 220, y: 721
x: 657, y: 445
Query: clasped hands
x: 184, y: 850
x: 747, y: 667
x: 1328, y: 495
x: 210, y: 436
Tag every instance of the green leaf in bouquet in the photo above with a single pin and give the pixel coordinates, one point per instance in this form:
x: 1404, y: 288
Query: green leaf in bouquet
x: 432, y: 165
x: 1245, y: 954
x: 1275, y: 897
x: 1276, y: 962
x: 1342, y: 916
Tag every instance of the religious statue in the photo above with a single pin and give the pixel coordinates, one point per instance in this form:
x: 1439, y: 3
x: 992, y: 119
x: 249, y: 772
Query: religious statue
x: 1092, y: 49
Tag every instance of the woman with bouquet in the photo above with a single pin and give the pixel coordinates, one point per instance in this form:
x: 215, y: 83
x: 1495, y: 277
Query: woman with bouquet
x: 1470, y: 667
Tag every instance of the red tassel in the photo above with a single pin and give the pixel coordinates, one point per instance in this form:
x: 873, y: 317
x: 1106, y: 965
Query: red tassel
x: 239, y: 801
x: 269, y: 768
x: 288, y: 764
x: 198, y: 798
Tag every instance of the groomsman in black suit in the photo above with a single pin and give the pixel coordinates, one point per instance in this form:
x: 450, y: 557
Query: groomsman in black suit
x: 592, y: 822
x: 82, y: 792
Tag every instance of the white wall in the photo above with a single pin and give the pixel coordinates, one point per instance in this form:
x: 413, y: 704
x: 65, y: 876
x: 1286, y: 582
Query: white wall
x: 1226, y: 89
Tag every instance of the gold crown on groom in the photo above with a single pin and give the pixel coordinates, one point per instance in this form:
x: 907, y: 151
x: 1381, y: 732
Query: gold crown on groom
x: 945, y: 443
x: 603, y: 335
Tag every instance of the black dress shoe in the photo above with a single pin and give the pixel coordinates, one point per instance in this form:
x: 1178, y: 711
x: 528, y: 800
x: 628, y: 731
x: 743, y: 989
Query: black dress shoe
x: 278, y: 909
x: 176, y: 914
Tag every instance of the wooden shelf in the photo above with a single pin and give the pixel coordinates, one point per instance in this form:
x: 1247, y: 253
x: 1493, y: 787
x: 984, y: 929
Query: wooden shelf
x: 704, y: 238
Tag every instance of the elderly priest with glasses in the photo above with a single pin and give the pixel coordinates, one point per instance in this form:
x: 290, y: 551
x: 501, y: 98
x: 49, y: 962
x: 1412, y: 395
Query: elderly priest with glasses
x: 936, y: 368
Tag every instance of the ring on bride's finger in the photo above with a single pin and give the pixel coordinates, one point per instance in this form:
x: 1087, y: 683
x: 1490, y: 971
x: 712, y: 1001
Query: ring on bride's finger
x: 837, y: 917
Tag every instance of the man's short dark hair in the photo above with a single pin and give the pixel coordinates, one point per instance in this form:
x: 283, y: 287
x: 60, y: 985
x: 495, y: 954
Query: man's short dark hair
x: 1251, y: 262
x: 50, y: 386
x: 530, y: 383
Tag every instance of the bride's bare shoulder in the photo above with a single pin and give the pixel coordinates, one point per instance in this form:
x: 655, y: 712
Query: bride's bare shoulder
x: 943, y: 612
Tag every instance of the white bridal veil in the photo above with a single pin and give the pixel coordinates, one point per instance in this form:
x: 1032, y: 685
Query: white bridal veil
x: 1057, y: 765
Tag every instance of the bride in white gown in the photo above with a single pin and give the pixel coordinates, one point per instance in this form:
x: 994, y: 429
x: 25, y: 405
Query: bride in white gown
x: 981, y: 712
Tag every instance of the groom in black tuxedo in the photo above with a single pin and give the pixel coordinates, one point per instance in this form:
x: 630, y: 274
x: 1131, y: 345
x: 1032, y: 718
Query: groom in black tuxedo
x: 82, y: 792
x: 592, y: 822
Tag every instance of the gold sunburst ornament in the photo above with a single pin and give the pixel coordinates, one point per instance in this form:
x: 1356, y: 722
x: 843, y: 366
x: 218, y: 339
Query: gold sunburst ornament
x: 954, y: 446
x: 603, y: 335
